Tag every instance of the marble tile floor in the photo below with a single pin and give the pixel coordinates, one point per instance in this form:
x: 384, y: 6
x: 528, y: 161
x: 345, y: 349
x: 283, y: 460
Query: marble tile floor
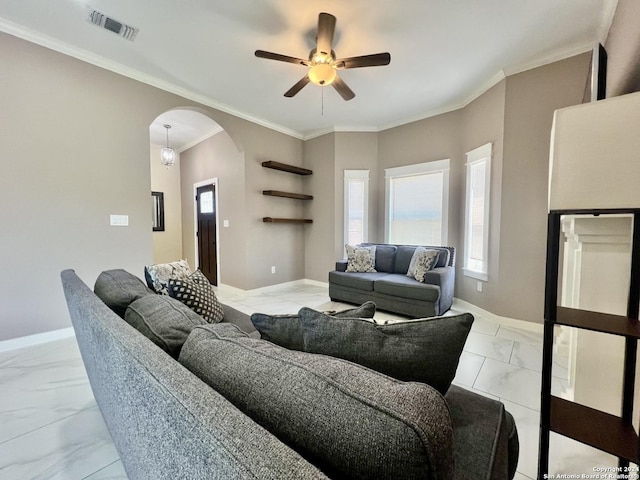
x: 50, y: 426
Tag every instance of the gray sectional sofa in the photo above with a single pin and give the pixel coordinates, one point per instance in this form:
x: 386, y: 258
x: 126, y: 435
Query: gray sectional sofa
x: 238, y: 407
x: 391, y: 289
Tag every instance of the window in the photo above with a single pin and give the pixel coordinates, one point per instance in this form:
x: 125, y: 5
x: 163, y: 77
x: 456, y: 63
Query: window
x: 356, y: 201
x: 417, y: 203
x: 476, y: 244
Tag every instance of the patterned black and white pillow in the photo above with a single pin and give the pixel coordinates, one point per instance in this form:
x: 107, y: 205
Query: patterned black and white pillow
x: 422, y: 261
x: 199, y: 297
x: 361, y: 259
x: 158, y: 275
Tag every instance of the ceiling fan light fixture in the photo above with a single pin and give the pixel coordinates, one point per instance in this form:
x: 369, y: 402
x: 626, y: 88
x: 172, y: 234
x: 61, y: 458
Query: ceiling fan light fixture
x: 322, y: 74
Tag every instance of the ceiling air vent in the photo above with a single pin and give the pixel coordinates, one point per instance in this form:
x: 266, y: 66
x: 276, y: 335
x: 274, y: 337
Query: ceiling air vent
x: 101, y: 20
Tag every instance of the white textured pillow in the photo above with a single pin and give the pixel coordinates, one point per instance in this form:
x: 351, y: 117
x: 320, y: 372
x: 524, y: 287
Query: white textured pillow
x: 361, y: 259
x: 422, y: 261
x: 158, y: 275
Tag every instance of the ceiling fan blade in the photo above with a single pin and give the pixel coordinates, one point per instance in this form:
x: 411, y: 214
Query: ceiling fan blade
x: 343, y: 89
x: 281, y: 58
x: 326, y: 29
x: 373, y: 60
x: 297, y: 87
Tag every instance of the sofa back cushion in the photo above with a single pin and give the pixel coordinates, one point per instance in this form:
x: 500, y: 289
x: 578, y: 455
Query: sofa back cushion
x: 163, y: 320
x: 351, y: 422
x: 118, y: 289
x: 405, y: 253
x: 424, y: 350
x: 385, y: 258
x: 286, y: 331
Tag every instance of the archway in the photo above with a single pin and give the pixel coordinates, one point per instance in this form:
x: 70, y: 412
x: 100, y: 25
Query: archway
x: 205, y: 154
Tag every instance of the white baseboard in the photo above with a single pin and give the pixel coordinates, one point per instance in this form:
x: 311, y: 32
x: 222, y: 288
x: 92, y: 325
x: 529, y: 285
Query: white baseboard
x: 36, y: 339
x: 271, y: 288
x: 509, y: 322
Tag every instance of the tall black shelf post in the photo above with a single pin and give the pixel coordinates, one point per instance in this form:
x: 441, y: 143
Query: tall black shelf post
x: 550, y: 310
x: 612, y: 434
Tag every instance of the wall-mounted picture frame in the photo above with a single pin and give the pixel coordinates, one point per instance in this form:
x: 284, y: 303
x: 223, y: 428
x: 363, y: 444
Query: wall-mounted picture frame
x: 157, y: 205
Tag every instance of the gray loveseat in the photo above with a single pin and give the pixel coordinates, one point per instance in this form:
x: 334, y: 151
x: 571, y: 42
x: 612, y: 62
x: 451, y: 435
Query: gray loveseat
x: 167, y: 423
x: 391, y: 289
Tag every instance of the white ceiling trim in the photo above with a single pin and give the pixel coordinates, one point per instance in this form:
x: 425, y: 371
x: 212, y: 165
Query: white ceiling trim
x: 93, y: 59
x: 99, y: 61
x: 551, y: 58
x: 214, y: 131
x: 607, y: 20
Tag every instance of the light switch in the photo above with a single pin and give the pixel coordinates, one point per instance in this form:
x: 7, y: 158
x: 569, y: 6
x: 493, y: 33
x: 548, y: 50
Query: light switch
x: 119, y: 220
x: 225, y: 223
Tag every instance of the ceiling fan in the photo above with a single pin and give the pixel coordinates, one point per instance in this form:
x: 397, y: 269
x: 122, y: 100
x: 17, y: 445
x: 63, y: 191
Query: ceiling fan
x: 322, y: 62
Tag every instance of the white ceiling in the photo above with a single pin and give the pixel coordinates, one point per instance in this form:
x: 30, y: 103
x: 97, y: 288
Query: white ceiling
x: 443, y: 53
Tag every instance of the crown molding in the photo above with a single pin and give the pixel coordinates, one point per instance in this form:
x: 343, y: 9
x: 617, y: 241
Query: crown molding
x: 88, y: 57
x: 556, y: 56
x: 214, y: 131
x: 607, y: 20
x: 99, y: 61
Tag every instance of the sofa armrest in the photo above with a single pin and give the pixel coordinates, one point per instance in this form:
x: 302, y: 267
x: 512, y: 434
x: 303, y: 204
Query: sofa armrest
x: 444, y: 277
x: 341, y: 265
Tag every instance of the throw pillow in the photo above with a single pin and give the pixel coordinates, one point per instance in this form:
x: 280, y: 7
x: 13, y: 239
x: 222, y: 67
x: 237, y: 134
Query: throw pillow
x: 158, y: 275
x: 349, y: 421
x: 422, y: 261
x: 198, y: 297
x: 286, y: 331
x: 361, y: 259
x: 163, y: 320
x: 118, y: 289
x: 424, y: 350
x: 199, y: 278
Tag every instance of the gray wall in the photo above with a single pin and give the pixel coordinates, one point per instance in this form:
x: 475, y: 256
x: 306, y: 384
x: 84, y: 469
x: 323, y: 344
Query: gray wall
x: 75, y: 149
x: 531, y: 98
x: 515, y: 115
x: 321, y: 248
x: 623, y: 49
x: 167, y: 244
x: 217, y: 157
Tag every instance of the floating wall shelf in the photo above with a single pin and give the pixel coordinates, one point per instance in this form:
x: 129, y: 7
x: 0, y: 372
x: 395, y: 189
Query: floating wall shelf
x: 283, y: 167
x: 297, y: 196
x: 286, y: 220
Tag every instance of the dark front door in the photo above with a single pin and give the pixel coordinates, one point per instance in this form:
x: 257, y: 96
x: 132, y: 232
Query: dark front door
x: 207, y: 211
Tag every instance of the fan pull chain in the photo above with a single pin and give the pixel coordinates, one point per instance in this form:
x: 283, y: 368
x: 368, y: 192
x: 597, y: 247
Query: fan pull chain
x: 322, y: 96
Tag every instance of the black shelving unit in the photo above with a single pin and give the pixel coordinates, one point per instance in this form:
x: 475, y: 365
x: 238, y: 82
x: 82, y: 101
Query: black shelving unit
x: 609, y: 433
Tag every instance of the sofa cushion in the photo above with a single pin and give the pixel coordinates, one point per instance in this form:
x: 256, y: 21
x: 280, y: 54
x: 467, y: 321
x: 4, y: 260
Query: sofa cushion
x: 403, y: 258
x: 199, y: 297
x: 286, y: 331
x: 118, y: 289
x: 385, y: 257
x: 158, y: 275
x: 351, y: 422
x: 485, y: 436
x: 424, y: 350
x: 361, y: 281
x: 361, y: 259
x: 445, y: 256
x: 163, y: 320
x: 422, y: 261
x: 406, y: 287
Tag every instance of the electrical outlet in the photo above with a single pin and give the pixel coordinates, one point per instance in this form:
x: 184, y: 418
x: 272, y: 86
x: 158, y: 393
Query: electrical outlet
x: 273, y: 269
x: 479, y: 286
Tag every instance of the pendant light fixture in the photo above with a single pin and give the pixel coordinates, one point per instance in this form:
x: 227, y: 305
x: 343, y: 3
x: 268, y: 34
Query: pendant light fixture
x: 167, y: 154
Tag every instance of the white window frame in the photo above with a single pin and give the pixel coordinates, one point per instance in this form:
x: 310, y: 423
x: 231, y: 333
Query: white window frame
x: 480, y: 155
x: 356, y: 175
x: 420, y: 169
